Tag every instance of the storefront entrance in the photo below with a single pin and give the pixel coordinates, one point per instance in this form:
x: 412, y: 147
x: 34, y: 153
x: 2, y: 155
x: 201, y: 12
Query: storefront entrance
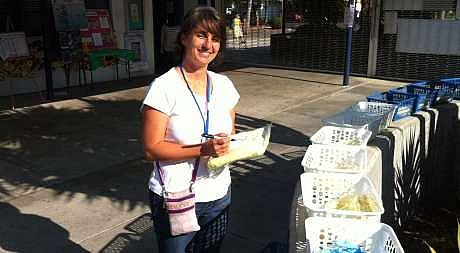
x: 167, y: 15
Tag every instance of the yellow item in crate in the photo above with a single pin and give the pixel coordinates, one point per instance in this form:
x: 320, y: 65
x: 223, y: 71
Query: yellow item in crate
x: 367, y: 203
x: 353, y: 202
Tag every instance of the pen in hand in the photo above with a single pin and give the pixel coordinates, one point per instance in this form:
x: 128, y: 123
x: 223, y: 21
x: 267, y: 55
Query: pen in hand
x: 211, y: 136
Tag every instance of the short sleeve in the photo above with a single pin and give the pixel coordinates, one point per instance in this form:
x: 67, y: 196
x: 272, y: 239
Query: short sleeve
x: 158, y: 98
x: 233, y: 95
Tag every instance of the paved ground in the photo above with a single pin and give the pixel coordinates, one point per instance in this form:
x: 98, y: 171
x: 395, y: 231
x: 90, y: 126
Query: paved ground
x: 72, y: 177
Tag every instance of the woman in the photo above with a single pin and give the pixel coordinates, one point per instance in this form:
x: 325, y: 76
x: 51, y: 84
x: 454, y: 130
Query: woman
x: 181, y: 106
x: 237, y: 29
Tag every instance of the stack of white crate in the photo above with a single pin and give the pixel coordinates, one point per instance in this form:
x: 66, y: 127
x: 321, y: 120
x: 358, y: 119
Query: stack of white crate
x: 335, y: 166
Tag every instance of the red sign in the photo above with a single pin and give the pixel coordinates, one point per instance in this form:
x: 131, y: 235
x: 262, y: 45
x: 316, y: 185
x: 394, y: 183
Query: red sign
x: 99, y: 32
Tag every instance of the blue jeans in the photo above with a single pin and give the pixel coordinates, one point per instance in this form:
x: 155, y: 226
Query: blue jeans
x: 205, y: 212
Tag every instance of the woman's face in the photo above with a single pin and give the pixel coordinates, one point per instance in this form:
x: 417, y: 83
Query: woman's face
x: 201, y: 47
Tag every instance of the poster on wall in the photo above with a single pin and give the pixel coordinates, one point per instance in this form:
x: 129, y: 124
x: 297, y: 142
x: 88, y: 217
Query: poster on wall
x: 135, y: 41
x: 96, y: 39
x: 69, y: 14
x: 13, y: 45
x: 98, y: 34
x: 98, y: 19
x: 135, y: 17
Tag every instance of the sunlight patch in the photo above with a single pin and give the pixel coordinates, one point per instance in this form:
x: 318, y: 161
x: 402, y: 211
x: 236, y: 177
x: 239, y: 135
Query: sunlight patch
x: 46, y: 137
x: 12, y: 145
x: 50, y: 178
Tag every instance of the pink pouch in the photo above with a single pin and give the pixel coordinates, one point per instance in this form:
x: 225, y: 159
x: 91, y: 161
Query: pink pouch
x: 181, y: 206
x: 181, y: 212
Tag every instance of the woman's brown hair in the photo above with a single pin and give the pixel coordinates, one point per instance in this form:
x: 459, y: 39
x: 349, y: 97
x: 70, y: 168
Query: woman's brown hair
x: 206, y: 18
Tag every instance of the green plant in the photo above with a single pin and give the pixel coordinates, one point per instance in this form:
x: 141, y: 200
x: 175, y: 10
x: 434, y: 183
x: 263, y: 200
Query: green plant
x: 429, y: 247
x: 458, y: 235
x: 408, y: 178
x: 458, y: 239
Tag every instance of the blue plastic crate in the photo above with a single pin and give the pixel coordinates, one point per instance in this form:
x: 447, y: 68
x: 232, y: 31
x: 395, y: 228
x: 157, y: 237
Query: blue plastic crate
x: 404, y: 102
x: 454, y: 84
x: 445, y: 90
x: 421, y: 99
x: 424, y: 88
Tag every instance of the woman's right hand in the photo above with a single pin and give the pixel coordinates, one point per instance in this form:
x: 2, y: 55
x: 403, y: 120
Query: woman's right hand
x: 216, y: 147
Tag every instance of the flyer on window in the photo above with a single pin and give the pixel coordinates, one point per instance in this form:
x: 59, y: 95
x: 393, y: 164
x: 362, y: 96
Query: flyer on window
x: 135, y: 17
x: 135, y: 41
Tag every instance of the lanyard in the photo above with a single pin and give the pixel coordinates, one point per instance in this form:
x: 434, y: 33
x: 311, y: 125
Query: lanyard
x: 208, y: 95
x: 205, y: 124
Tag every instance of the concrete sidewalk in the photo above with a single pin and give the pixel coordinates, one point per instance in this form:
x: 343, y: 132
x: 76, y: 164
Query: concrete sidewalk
x: 72, y: 176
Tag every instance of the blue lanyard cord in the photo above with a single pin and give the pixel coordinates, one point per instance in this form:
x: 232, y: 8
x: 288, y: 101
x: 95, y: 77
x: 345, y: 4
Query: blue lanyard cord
x: 205, y: 122
x: 208, y: 96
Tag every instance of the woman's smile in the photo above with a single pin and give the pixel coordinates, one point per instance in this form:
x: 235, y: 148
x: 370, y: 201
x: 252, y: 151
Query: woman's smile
x: 202, y: 47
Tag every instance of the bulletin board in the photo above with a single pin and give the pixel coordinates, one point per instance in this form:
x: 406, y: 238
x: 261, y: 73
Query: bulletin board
x: 99, y: 32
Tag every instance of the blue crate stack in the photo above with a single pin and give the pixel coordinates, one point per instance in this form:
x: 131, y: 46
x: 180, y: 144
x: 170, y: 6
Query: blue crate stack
x: 454, y: 86
x: 405, y: 103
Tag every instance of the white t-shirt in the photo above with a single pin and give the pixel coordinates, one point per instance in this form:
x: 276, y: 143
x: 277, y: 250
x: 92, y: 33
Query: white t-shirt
x: 170, y: 95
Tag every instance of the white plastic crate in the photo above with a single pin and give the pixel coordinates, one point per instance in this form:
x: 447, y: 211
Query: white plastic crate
x: 318, y: 189
x: 341, y: 135
x: 384, y: 109
x: 335, y: 158
x: 371, y: 237
x: 354, y: 119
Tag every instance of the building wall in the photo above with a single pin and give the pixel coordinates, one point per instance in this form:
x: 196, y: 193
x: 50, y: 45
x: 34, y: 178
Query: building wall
x: 148, y: 35
x: 402, y: 55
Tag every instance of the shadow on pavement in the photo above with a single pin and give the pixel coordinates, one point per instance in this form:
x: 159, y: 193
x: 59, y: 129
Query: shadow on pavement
x: 45, y: 146
x: 21, y: 232
x: 138, y: 238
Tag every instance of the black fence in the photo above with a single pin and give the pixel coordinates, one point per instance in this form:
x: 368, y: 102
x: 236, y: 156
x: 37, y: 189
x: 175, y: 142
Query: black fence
x: 314, y: 38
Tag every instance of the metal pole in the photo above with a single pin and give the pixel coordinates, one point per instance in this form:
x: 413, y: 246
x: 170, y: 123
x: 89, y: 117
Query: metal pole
x: 346, y: 72
x: 348, y: 20
x: 283, y: 16
x: 45, y: 8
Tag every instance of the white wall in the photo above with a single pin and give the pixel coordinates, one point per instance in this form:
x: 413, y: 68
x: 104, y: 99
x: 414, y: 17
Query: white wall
x: 421, y: 36
x: 119, y: 20
x: 148, y: 35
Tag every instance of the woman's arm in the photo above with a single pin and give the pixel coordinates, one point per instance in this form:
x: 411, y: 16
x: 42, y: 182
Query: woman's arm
x: 157, y: 148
